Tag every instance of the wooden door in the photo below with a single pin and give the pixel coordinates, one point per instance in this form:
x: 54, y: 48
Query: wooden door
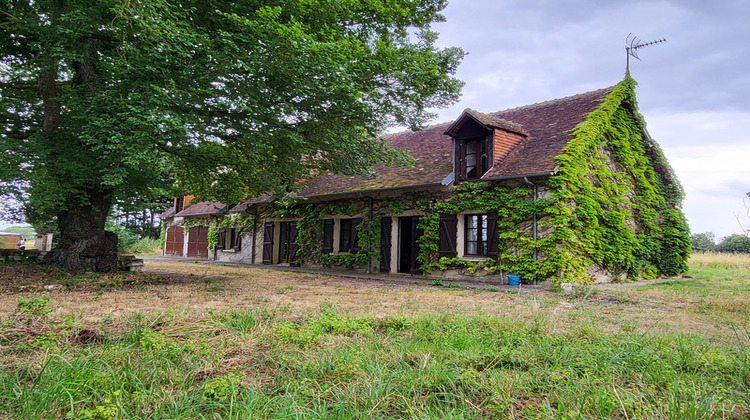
x: 175, y: 241
x: 198, y: 242
x: 409, y: 234
x: 288, y: 243
x: 268, y: 243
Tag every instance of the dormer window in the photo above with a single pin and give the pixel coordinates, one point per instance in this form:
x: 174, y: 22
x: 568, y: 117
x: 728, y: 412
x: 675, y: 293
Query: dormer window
x: 479, y: 140
x: 472, y: 157
x: 476, y: 159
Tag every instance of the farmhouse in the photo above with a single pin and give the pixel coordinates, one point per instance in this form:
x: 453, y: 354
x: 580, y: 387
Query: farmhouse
x: 573, y: 189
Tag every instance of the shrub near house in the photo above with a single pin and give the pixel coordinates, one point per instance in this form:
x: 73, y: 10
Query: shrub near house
x: 572, y: 189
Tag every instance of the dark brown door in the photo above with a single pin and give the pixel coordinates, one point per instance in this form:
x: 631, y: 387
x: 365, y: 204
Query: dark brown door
x: 386, y: 225
x: 409, y: 234
x: 175, y: 241
x: 268, y: 243
x: 288, y: 243
x: 198, y: 242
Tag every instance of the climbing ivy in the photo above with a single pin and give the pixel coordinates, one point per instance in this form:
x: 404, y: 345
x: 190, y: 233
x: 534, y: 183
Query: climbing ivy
x: 615, y: 198
x: 514, y: 207
x: 613, y: 204
x: 233, y: 220
x: 309, y: 220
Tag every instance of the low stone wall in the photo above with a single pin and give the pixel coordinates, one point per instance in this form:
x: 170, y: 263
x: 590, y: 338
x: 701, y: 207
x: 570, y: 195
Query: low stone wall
x: 20, y: 255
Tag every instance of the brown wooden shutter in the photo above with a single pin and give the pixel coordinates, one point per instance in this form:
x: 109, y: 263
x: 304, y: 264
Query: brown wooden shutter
x: 327, y: 236
x: 448, y: 233
x: 460, y: 159
x: 355, y: 235
x: 222, y: 238
x: 385, y: 244
x: 268, y: 243
x: 236, y: 239
x: 492, y: 235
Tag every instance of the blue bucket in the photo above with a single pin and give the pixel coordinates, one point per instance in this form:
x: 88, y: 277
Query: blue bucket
x: 514, y: 280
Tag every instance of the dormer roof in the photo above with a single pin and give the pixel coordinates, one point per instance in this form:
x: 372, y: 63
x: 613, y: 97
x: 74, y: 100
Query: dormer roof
x: 485, y: 120
x: 204, y: 208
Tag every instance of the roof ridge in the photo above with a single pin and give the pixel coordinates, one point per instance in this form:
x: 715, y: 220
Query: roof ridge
x: 553, y: 101
x: 517, y: 108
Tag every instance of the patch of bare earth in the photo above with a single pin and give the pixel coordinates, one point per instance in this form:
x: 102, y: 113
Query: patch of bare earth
x: 193, y: 290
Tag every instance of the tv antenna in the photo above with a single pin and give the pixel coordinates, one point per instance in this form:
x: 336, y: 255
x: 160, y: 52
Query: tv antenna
x: 632, y: 44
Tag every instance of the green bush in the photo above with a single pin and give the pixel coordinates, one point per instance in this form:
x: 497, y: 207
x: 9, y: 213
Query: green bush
x: 145, y: 246
x: 734, y: 244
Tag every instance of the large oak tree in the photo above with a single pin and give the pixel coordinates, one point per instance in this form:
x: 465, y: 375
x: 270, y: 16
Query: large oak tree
x: 101, y: 98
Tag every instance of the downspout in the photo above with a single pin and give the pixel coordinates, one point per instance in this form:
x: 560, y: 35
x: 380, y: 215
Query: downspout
x: 534, y: 228
x: 255, y: 231
x: 215, y: 250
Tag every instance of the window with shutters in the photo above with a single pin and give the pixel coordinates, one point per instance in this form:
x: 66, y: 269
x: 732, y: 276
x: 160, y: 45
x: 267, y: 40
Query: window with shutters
x: 229, y: 239
x: 472, y: 157
x: 327, y: 236
x: 480, y: 235
x: 348, y: 235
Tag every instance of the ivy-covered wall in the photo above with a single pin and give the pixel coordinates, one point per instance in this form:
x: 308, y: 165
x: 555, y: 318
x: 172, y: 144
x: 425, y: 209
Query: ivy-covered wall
x: 615, y: 199
x: 611, y: 210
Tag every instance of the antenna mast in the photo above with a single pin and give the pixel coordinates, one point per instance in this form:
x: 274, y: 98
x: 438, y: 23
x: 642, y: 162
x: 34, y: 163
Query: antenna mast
x: 632, y: 44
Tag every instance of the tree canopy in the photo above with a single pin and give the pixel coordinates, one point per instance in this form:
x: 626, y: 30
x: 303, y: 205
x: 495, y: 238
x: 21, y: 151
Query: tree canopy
x: 703, y: 242
x: 109, y: 99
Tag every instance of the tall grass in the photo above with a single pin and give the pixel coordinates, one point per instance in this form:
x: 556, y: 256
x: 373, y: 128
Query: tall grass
x: 254, y: 363
x: 719, y: 260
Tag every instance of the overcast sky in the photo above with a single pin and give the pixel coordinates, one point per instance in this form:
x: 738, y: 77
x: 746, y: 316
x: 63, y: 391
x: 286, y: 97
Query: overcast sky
x: 692, y: 90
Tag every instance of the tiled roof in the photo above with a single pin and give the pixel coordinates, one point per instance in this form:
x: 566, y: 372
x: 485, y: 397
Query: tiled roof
x: 168, y: 213
x: 263, y: 198
x: 550, y: 126
x: 203, y: 208
x: 546, y: 125
x: 489, y: 121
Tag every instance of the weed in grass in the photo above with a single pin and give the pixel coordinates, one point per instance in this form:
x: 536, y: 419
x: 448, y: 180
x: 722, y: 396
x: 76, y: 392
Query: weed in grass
x: 285, y: 289
x: 36, y: 306
x: 436, y: 282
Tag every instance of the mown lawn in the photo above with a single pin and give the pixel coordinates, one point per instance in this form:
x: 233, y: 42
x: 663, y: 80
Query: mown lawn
x: 241, y: 343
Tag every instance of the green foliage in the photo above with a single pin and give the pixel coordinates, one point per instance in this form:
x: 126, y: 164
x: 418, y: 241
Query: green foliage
x: 703, y: 242
x: 609, y: 159
x: 514, y: 206
x: 592, y: 223
x: 234, y: 220
x: 35, y: 306
x: 309, y: 220
x: 145, y: 246
x: 105, y: 101
x: 125, y: 238
x: 734, y: 244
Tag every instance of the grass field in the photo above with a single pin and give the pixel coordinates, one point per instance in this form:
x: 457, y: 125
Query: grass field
x: 215, y: 342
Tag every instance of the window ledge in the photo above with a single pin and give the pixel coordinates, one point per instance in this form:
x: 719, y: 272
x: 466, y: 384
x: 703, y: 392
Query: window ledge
x: 228, y: 250
x: 473, y: 258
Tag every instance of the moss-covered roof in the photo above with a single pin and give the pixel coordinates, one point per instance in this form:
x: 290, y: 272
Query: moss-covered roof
x: 547, y: 128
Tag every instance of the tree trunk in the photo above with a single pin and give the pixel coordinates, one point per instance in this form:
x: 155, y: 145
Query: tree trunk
x: 84, y: 244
